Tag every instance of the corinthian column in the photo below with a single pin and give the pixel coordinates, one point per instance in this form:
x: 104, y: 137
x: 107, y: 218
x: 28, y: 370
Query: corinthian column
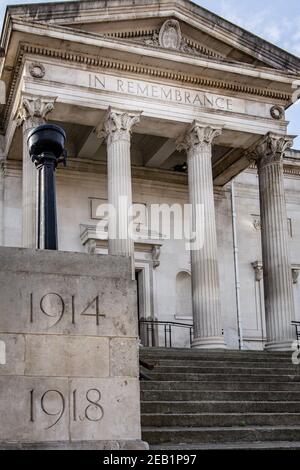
x: 32, y: 112
x: 204, y: 257
x: 278, y: 284
x: 117, y: 132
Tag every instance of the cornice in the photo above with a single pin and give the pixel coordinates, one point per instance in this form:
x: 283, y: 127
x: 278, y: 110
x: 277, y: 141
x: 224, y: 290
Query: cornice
x: 288, y: 168
x: 93, y: 170
x: 258, y: 269
x: 12, y: 168
x: 12, y: 88
x: 194, y: 15
x: 156, y: 174
x: 78, y: 165
x: 154, y: 179
x: 137, y: 69
x: 91, y: 39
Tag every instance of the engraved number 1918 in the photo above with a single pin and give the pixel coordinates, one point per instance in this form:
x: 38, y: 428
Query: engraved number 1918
x: 92, y: 411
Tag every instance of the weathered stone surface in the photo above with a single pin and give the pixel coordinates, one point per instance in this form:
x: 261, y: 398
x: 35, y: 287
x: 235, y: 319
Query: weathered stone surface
x: 67, y: 322
x: 67, y: 356
x: 56, y: 294
x: 123, y: 357
x: 105, y: 409
x: 22, y: 400
x: 47, y: 409
x: 14, y: 354
x: 58, y: 262
x: 77, y: 445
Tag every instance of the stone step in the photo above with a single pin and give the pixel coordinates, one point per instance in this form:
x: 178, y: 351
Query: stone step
x: 210, y: 406
x: 225, y: 363
x: 220, y: 434
x: 207, y: 398
x: 267, y: 445
x: 221, y: 385
x: 227, y: 370
x: 192, y: 354
x: 213, y: 395
x: 220, y: 419
x: 222, y: 362
x: 190, y: 377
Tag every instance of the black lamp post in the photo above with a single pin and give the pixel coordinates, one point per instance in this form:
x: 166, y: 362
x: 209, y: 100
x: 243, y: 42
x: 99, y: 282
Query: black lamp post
x: 46, y: 144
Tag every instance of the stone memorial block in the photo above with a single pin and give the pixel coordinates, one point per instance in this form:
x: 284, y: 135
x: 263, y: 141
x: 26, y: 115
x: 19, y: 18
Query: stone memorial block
x: 69, y: 375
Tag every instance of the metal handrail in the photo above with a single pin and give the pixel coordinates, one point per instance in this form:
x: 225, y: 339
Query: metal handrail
x: 296, y: 324
x: 168, y: 325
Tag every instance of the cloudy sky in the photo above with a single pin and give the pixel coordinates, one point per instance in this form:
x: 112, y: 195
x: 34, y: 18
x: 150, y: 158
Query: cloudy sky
x: 278, y: 21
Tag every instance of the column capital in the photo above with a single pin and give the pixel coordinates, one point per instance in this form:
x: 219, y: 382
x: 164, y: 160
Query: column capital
x: 270, y: 149
x: 198, y: 134
x: 117, y: 125
x: 34, y: 109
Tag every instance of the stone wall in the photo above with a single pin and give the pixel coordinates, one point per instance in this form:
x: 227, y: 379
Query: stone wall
x: 68, y: 323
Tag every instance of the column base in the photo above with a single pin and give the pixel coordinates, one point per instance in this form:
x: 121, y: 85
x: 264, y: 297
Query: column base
x: 281, y: 346
x: 213, y: 342
x: 75, y: 445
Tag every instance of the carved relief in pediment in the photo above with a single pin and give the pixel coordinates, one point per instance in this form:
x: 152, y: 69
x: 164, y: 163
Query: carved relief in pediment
x: 169, y: 36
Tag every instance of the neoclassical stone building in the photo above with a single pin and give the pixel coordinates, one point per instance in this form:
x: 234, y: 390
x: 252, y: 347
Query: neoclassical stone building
x: 165, y: 103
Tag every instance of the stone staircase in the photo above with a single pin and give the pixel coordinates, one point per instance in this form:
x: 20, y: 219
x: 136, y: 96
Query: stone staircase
x: 215, y: 400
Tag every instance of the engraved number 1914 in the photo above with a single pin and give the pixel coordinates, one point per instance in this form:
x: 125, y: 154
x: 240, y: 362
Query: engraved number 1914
x: 53, y: 305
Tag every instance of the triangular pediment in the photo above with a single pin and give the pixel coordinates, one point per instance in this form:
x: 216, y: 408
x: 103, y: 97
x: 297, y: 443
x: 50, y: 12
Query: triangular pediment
x: 149, y: 23
x: 155, y: 32
x: 167, y: 35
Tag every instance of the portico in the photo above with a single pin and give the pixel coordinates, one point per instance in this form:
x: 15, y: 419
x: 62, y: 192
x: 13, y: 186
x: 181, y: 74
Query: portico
x: 150, y: 95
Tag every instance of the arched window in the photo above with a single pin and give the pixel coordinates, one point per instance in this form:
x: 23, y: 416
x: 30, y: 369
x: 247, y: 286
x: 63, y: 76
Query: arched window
x: 183, y: 295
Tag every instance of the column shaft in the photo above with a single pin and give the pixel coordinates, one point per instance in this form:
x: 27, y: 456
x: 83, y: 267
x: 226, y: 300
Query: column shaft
x: 119, y: 196
x: 278, y: 285
x: 117, y: 131
x: 29, y: 192
x: 205, y: 275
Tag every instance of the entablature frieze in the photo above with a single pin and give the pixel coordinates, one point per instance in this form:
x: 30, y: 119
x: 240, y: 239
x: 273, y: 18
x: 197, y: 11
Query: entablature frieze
x: 140, y: 71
